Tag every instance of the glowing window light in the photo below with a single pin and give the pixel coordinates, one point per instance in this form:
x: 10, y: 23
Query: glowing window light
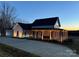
x: 14, y: 34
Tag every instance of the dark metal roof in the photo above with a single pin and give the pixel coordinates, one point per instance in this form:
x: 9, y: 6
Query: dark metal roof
x: 47, y: 29
x: 46, y: 21
x: 41, y: 22
x: 25, y: 26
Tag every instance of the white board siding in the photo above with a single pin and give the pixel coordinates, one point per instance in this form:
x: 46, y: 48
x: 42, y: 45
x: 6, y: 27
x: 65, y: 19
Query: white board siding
x: 56, y: 25
x: 19, y: 29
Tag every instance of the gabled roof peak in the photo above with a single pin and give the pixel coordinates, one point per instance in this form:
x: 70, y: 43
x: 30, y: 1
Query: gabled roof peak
x: 48, y: 18
x: 25, y: 25
x: 46, y: 21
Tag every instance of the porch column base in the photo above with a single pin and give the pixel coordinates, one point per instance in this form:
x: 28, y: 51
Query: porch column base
x: 42, y: 35
x: 50, y: 35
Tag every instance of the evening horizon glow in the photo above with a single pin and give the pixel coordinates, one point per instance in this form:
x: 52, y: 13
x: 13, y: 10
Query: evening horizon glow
x: 68, y: 12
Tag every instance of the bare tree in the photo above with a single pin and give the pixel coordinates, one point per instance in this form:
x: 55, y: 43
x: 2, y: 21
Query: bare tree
x: 7, y: 17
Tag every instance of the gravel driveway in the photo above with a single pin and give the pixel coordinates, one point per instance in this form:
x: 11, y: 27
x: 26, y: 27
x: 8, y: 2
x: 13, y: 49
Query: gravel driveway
x: 39, y: 48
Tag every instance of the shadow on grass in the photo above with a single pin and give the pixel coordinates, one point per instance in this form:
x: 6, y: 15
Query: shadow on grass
x: 16, y: 52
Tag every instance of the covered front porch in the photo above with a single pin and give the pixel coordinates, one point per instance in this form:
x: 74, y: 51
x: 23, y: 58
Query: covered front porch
x: 58, y: 35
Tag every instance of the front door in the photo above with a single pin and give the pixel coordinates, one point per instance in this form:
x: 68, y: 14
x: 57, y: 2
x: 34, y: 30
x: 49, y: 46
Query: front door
x: 17, y: 33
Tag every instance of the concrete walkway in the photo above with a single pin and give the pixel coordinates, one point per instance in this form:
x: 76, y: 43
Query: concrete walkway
x: 39, y: 48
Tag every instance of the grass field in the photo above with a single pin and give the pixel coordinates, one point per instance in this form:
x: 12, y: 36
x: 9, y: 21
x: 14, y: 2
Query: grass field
x: 73, y: 44
x: 8, y: 51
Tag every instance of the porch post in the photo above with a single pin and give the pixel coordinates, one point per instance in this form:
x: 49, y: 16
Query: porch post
x: 61, y: 39
x: 42, y: 35
x: 35, y: 34
x: 61, y: 35
x: 50, y: 34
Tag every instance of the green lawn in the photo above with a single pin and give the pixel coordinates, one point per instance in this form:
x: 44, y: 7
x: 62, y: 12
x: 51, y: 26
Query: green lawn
x: 74, y: 44
x: 70, y: 43
x: 8, y: 51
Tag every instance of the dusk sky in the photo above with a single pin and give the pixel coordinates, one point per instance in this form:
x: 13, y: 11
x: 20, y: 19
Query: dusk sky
x: 68, y: 12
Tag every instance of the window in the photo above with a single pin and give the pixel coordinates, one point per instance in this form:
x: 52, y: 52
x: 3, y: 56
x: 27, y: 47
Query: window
x: 52, y: 34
